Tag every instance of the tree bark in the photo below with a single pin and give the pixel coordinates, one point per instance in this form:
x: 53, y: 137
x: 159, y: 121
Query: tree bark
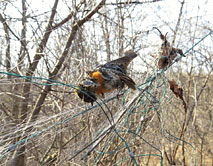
x: 19, y: 156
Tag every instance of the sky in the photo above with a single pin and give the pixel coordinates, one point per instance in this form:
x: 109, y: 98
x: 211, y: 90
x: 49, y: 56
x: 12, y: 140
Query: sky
x: 162, y: 14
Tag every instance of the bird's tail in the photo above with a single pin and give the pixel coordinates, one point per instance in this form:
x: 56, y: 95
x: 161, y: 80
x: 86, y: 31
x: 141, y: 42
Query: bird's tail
x: 129, y: 56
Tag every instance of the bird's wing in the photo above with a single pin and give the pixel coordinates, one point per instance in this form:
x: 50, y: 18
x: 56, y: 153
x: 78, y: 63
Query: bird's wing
x: 127, y: 80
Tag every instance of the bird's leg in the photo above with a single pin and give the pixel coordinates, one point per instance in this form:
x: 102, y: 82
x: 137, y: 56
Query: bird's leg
x: 119, y: 94
x: 102, y: 95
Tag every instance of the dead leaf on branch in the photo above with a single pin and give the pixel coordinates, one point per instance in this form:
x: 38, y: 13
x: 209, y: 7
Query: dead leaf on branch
x: 178, y: 92
x: 167, y: 52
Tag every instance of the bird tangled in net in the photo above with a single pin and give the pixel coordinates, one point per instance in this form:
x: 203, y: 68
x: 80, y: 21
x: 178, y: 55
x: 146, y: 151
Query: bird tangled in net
x: 106, y: 78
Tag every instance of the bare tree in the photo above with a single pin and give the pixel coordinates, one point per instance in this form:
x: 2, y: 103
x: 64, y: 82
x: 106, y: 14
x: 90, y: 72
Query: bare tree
x: 47, y: 49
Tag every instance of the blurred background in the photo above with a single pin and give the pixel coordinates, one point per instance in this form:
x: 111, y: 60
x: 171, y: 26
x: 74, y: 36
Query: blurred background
x: 43, y: 122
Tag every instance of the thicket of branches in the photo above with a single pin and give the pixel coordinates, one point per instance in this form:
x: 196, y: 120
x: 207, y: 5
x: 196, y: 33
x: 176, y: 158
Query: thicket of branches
x: 45, y: 123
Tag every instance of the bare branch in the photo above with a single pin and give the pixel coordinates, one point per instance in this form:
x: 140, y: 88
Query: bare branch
x: 8, y: 58
x: 133, y: 2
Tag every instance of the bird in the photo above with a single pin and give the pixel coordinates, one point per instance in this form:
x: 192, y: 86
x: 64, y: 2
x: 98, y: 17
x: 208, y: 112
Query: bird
x: 113, y: 74
x: 86, y: 90
x: 107, y: 78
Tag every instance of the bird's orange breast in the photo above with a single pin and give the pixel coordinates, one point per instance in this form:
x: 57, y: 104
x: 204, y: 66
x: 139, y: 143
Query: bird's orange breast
x: 98, y: 76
